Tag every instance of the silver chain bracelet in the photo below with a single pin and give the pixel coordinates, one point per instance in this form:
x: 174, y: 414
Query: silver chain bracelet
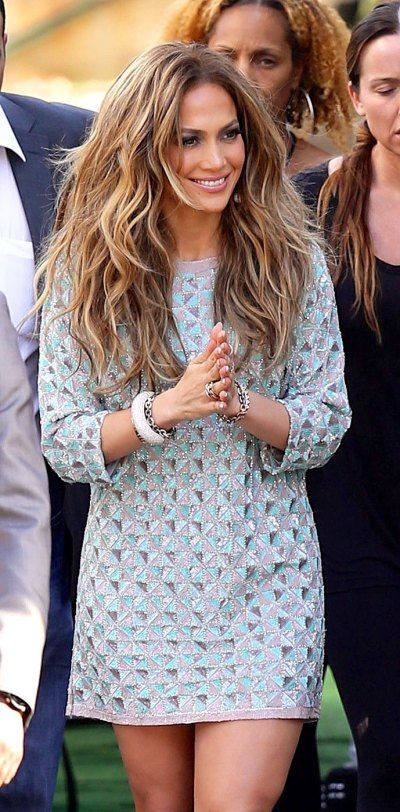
x: 244, y: 404
x: 148, y: 413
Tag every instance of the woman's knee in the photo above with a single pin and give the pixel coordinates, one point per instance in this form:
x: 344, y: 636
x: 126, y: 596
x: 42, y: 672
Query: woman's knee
x: 160, y: 801
x: 262, y: 800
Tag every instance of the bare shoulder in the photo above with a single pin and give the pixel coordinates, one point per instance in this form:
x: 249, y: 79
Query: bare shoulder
x: 335, y: 164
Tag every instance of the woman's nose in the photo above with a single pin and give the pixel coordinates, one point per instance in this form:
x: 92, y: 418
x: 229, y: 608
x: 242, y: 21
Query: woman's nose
x: 243, y: 65
x: 213, y: 157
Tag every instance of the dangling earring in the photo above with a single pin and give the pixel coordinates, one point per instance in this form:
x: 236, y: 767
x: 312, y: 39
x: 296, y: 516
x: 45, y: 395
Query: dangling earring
x: 310, y: 106
x: 236, y: 197
x: 293, y: 109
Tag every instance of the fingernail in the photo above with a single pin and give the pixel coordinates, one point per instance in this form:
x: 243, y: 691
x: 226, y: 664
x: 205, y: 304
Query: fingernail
x: 218, y: 350
x: 221, y: 406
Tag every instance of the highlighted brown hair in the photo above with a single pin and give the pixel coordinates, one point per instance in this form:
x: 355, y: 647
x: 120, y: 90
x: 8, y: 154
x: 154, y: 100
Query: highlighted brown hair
x: 317, y: 36
x: 111, y: 239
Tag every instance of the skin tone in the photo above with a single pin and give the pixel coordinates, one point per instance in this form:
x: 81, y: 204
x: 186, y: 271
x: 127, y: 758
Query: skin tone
x: 228, y: 765
x: 11, y: 722
x: 377, y: 98
x: 256, y: 39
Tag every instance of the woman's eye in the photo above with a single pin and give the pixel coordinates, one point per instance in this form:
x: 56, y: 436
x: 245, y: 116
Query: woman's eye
x: 189, y: 141
x: 384, y: 91
x: 267, y: 62
x: 232, y: 134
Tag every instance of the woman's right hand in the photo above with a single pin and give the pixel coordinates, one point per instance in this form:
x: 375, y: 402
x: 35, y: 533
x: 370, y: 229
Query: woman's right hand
x: 188, y: 399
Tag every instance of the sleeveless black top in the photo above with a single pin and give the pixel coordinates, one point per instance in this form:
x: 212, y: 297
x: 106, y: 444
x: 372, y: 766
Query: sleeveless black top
x: 356, y: 496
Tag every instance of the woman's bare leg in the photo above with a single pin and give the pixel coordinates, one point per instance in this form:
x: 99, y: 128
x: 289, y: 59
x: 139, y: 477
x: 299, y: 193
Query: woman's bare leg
x: 159, y: 762
x: 242, y: 766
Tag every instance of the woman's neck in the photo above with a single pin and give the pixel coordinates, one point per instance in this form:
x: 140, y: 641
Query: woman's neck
x: 385, y: 169
x: 196, y: 233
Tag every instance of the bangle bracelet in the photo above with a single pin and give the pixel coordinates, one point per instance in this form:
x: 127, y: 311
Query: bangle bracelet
x: 143, y: 421
x: 148, y: 413
x: 142, y: 428
x: 244, y: 405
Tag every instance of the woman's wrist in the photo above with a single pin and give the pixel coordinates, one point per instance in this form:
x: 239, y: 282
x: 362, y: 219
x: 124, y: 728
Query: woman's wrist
x: 165, y: 409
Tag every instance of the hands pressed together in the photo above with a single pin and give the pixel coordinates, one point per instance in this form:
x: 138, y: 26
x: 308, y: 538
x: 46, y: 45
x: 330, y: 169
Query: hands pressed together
x: 189, y: 400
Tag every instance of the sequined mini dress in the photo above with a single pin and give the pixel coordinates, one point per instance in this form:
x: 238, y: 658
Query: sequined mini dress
x: 200, y: 595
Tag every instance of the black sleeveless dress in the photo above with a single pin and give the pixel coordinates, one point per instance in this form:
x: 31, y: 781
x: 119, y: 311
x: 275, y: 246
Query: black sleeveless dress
x: 356, y: 504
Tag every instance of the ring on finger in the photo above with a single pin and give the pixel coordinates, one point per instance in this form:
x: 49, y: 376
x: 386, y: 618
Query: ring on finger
x: 209, y: 390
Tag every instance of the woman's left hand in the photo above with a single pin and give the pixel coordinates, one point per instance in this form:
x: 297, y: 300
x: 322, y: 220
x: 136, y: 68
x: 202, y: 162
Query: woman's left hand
x: 229, y: 395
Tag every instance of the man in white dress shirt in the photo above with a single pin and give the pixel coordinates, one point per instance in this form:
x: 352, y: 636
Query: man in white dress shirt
x: 30, y: 130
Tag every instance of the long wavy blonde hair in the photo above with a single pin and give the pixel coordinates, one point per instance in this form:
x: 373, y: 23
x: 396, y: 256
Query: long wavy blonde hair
x: 317, y: 36
x: 111, y: 238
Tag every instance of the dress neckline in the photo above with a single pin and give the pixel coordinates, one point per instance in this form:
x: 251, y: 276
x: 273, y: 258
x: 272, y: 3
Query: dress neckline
x: 198, y: 267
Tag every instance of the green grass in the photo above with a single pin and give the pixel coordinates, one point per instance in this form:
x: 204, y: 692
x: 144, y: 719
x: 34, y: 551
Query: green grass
x: 333, y: 730
x: 102, y: 785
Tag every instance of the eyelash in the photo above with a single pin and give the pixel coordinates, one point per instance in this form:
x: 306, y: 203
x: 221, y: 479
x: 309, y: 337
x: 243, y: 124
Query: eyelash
x: 264, y: 61
x: 192, y: 140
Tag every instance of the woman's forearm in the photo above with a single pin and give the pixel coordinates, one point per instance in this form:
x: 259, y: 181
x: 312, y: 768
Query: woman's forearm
x: 118, y: 437
x: 268, y: 420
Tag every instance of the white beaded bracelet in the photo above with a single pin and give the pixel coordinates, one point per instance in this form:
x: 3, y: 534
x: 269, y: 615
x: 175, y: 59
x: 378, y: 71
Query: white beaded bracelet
x: 140, y: 424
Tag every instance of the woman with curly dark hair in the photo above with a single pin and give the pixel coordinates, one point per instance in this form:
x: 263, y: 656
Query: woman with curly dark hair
x: 294, y: 50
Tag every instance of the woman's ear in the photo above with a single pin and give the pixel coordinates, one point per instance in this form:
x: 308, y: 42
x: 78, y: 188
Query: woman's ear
x: 354, y: 93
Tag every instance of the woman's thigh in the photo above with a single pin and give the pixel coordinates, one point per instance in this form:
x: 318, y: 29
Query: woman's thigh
x: 159, y: 762
x: 242, y: 765
x: 363, y: 633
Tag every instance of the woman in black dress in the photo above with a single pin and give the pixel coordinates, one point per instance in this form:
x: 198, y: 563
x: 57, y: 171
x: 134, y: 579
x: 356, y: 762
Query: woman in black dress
x: 356, y: 496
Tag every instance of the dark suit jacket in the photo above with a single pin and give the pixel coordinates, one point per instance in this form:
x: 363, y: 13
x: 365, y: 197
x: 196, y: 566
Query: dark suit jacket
x: 41, y: 129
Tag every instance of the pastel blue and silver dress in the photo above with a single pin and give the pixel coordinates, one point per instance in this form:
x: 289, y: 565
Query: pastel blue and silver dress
x: 200, y: 595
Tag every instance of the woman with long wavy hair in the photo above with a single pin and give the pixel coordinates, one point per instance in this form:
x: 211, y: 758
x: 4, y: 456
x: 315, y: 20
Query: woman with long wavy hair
x: 294, y: 50
x: 199, y: 630
x: 356, y: 497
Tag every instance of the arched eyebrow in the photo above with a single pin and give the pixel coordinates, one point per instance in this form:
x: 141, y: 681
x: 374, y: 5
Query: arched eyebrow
x: 257, y: 52
x: 192, y: 131
x: 377, y: 80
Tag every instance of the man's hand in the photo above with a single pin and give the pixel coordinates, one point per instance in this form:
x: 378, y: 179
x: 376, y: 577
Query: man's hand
x: 11, y: 742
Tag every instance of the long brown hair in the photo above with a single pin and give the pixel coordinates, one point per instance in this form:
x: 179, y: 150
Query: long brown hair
x: 317, y: 37
x: 111, y: 239
x: 347, y: 189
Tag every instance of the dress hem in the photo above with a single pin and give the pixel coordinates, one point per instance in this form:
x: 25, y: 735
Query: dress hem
x: 307, y: 714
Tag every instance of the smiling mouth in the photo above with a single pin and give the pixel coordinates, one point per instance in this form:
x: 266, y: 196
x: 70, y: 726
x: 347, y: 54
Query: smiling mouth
x: 211, y: 183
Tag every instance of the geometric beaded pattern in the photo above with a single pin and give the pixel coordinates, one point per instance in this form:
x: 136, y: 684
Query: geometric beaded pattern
x: 200, y: 594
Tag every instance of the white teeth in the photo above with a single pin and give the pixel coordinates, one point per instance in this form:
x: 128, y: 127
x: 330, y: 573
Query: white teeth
x: 211, y: 183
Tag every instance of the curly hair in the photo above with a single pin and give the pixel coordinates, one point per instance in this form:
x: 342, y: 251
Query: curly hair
x: 113, y: 244
x: 318, y: 37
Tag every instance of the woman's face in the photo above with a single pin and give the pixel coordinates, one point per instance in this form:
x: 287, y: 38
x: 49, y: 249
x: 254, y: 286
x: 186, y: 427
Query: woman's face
x: 378, y: 94
x: 256, y: 40
x: 212, y: 157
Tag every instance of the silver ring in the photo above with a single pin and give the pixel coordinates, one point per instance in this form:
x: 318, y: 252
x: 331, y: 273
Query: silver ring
x: 209, y: 390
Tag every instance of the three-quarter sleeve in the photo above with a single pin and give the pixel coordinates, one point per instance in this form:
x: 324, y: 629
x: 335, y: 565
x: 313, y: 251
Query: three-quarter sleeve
x: 315, y: 396
x: 71, y: 413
